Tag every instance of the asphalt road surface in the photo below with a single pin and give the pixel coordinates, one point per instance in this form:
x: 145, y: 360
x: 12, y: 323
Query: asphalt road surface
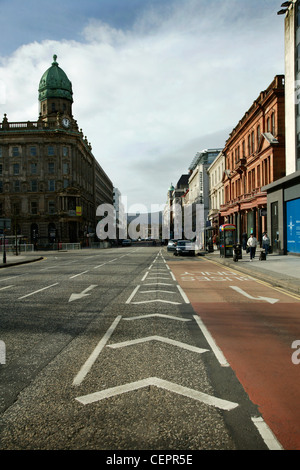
x: 106, y: 351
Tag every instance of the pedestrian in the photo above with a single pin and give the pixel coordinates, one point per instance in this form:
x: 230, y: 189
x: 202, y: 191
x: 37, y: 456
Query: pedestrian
x: 266, y: 243
x: 252, y: 244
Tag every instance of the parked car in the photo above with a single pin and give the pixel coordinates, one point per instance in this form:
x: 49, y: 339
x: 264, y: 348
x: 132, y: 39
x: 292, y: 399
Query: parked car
x: 126, y: 242
x: 171, y: 245
x: 185, y: 247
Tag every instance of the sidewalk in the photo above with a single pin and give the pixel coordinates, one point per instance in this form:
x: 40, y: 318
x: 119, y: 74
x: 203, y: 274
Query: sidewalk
x: 12, y: 260
x: 279, y: 270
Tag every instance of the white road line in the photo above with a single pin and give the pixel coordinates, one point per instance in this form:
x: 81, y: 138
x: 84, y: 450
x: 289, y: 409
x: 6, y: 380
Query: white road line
x: 132, y: 295
x: 46, y: 269
x: 144, y: 277
x: 80, y: 274
x: 11, y: 277
x: 99, y: 266
x: 36, y: 291
x: 184, y: 296
x: 270, y: 440
x: 158, y: 338
x: 92, y: 358
x: 156, y: 382
x: 217, y: 351
x: 6, y: 287
x: 173, y: 277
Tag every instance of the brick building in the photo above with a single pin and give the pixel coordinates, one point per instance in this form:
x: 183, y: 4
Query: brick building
x: 50, y: 182
x: 255, y: 157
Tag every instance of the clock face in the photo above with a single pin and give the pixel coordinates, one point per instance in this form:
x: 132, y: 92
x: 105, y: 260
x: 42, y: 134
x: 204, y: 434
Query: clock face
x: 66, y: 122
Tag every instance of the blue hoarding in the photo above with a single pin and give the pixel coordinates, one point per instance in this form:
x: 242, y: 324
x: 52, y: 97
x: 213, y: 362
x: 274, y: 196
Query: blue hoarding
x: 293, y: 226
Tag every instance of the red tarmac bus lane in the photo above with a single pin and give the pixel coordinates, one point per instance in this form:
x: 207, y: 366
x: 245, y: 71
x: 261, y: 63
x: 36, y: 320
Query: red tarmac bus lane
x: 255, y: 335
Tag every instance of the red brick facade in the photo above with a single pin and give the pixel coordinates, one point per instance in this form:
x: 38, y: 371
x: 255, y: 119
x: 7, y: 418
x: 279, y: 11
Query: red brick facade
x: 255, y: 156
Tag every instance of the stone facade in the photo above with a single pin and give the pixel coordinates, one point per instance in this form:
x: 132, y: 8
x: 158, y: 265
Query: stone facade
x: 216, y: 192
x: 50, y: 182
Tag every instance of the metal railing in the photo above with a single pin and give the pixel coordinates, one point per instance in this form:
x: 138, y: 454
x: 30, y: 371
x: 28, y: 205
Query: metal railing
x: 21, y: 248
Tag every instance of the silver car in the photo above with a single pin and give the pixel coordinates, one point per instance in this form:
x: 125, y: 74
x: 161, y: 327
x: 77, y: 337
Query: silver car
x: 185, y: 247
x: 171, y: 245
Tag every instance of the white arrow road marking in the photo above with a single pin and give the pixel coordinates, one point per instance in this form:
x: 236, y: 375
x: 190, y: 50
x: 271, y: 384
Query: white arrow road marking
x: 156, y: 382
x: 267, y: 299
x: 92, y: 358
x: 82, y: 294
x: 157, y: 315
x: 158, y: 338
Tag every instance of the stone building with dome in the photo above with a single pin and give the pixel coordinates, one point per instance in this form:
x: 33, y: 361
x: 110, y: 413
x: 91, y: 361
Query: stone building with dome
x: 50, y: 182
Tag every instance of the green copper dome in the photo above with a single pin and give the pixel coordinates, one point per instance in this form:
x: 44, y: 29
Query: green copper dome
x: 55, y: 83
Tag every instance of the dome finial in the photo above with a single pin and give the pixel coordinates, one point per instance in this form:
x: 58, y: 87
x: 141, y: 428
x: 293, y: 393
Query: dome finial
x: 54, y: 58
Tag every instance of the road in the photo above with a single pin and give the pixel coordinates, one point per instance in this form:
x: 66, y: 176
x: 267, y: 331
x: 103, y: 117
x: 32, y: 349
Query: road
x: 106, y: 349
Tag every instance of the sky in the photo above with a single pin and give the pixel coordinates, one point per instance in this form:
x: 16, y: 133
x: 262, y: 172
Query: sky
x: 154, y: 81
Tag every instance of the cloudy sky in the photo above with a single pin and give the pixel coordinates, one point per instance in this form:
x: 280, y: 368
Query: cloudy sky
x: 154, y: 81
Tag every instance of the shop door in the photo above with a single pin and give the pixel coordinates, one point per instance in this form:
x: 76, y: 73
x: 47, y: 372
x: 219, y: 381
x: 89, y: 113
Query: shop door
x: 274, y: 229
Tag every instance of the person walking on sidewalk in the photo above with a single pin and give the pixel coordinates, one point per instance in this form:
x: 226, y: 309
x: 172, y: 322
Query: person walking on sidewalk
x: 252, y: 243
x: 266, y: 243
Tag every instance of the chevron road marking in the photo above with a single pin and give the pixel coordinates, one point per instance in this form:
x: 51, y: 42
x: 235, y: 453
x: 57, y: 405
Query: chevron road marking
x: 170, y: 317
x: 156, y: 300
x: 157, y: 338
x: 158, y: 284
x: 164, y: 384
x: 156, y: 290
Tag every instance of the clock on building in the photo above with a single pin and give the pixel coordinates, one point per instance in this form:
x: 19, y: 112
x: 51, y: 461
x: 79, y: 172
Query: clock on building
x: 66, y: 122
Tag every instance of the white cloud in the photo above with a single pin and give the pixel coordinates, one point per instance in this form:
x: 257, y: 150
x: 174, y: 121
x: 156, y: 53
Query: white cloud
x: 144, y: 96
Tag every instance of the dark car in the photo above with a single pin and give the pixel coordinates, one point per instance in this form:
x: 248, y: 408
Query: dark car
x: 126, y: 242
